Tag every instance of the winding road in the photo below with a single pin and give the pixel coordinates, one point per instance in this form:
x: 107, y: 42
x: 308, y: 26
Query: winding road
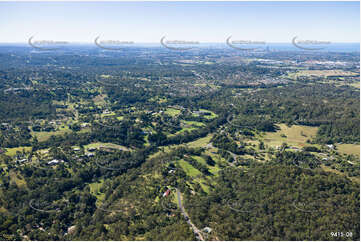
x: 194, y: 228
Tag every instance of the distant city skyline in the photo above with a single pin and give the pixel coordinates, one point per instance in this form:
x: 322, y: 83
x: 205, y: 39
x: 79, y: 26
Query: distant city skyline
x: 205, y: 22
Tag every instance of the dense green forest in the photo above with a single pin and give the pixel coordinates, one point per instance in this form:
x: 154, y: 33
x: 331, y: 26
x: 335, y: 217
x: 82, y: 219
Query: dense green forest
x: 278, y: 203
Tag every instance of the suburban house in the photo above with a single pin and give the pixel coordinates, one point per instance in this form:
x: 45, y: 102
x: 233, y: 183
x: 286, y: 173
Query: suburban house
x: 166, y: 193
x: 207, y: 229
x: 55, y: 162
x: 22, y: 160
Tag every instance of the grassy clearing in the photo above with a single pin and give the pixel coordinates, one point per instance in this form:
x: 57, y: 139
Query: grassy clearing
x: 324, y: 73
x: 247, y: 156
x: 200, y: 159
x: 349, y: 149
x: 182, y: 131
x: 188, y: 126
x: 189, y: 169
x: 105, y: 145
x: 193, y: 123
x: 95, y: 190
x: 212, y: 116
x: 202, y: 142
x: 172, y: 112
x: 204, y: 186
x: 213, y: 169
x: 194, y: 173
x: 164, y: 149
x: 158, y: 99
x: 105, y: 76
x: 162, y: 100
x: 42, y: 136
x: 200, y: 85
x: 107, y: 114
x: 216, y: 157
x: 12, y: 151
x: 296, y: 135
x: 84, y: 130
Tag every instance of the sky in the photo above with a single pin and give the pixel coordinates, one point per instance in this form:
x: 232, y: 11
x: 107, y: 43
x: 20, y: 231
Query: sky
x: 148, y: 22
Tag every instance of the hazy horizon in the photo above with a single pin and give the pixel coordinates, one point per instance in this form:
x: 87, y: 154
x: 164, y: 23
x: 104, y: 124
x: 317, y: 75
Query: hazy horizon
x: 147, y: 22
